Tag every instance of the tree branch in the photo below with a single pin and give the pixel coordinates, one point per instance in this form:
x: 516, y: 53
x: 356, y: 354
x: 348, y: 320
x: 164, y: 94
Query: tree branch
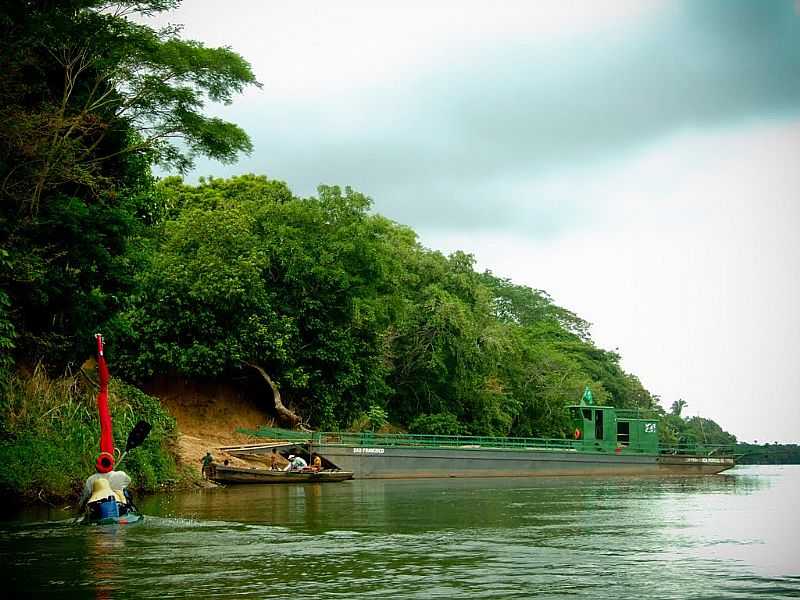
x: 286, y: 415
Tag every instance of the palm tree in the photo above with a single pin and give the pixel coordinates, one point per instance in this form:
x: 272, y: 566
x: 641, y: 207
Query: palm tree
x: 678, y: 406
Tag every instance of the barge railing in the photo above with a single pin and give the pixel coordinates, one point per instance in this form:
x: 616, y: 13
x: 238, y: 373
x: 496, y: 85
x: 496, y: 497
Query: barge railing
x: 441, y: 441
x: 466, y: 442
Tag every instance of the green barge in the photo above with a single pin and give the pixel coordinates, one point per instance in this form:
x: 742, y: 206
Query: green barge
x: 605, y: 441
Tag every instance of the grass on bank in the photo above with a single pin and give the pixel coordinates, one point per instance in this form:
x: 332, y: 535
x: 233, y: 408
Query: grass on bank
x: 50, y: 432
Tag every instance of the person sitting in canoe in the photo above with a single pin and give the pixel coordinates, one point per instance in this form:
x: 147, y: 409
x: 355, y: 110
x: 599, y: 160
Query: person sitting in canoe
x: 316, y: 462
x: 296, y: 463
x: 273, y: 460
x: 101, y: 486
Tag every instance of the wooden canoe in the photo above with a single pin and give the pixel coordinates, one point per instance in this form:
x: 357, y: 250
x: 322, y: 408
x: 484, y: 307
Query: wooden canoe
x: 228, y: 474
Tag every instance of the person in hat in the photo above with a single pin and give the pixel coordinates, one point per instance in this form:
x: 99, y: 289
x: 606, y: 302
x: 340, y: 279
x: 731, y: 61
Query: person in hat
x: 106, y: 502
x: 117, y: 482
x: 296, y: 463
x: 207, y: 460
x: 101, y: 490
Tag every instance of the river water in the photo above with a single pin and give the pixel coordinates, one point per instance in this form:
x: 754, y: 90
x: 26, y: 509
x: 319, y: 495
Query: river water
x: 724, y: 536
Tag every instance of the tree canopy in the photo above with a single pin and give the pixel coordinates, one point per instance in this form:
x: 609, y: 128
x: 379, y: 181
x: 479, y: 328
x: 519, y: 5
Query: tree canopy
x: 347, y: 311
x: 89, y: 99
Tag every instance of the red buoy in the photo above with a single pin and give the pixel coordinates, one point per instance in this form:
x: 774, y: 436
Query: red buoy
x: 105, y: 460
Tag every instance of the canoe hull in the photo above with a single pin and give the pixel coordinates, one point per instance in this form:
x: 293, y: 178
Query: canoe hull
x: 224, y: 474
x: 129, y: 518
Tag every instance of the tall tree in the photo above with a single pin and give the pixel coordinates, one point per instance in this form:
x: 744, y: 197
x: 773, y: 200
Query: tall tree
x: 89, y: 99
x: 344, y: 311
x: 85, y: 84
x: 247, y: 277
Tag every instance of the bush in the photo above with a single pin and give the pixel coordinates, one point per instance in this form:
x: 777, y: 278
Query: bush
x: 49, y: 436
x: 376, y: 416
x: 437, y: 424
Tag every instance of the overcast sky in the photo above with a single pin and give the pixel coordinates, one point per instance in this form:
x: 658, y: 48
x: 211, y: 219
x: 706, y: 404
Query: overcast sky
x: 637, y: 159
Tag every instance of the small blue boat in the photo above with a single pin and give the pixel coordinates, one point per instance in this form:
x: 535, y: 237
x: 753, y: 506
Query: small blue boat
x: 110, y: 507
x: 127, y: 518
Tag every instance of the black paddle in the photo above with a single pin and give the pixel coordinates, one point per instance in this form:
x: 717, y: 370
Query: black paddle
x: 135, y: 438
x: 137, y: 435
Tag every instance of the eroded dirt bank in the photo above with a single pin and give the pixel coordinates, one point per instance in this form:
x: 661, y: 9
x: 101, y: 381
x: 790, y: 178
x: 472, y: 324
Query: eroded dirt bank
x: 208, y: 416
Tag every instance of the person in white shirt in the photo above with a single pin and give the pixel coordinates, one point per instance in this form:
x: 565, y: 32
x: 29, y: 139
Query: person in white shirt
x: 118, y: 481
x: 296, y: 463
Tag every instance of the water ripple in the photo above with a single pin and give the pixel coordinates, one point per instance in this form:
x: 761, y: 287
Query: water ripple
x: 730, y: 537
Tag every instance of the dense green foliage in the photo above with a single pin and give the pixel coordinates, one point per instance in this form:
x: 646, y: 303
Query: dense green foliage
x: 356, y: 323
x: 769, y: 454
x: 7, y: 330
x: 49, y: 435
x: 89, y: 99
x: 348, y: 312
x: 677, y: 430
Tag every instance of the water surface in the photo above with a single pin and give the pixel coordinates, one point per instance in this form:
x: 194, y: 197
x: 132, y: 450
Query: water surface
x: 726, y: 536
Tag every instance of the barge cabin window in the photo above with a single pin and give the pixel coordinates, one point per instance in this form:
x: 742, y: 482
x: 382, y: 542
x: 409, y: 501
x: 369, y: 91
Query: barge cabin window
x: 624, y: 433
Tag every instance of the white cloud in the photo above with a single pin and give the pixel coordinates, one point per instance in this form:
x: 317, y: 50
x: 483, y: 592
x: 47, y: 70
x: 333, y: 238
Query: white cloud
x: 689, y: 265
x: 521, y: 128
x: 304, y: 48
x: 452, y: 113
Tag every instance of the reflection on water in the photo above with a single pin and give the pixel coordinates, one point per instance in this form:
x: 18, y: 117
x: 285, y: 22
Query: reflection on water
x: 710, y: 537
x: 104, y: 550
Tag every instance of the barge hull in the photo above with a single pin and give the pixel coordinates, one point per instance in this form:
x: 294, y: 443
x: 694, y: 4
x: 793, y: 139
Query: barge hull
x: 401, y: 463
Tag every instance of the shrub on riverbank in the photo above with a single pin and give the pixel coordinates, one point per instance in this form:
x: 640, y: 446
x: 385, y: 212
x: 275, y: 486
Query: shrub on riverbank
x: 49, y: 435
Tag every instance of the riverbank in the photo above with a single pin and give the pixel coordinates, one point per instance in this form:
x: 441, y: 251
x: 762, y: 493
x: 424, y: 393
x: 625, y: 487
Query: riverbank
x: 49, y: 433
x: 49, y: 436
x: 208, y: 415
